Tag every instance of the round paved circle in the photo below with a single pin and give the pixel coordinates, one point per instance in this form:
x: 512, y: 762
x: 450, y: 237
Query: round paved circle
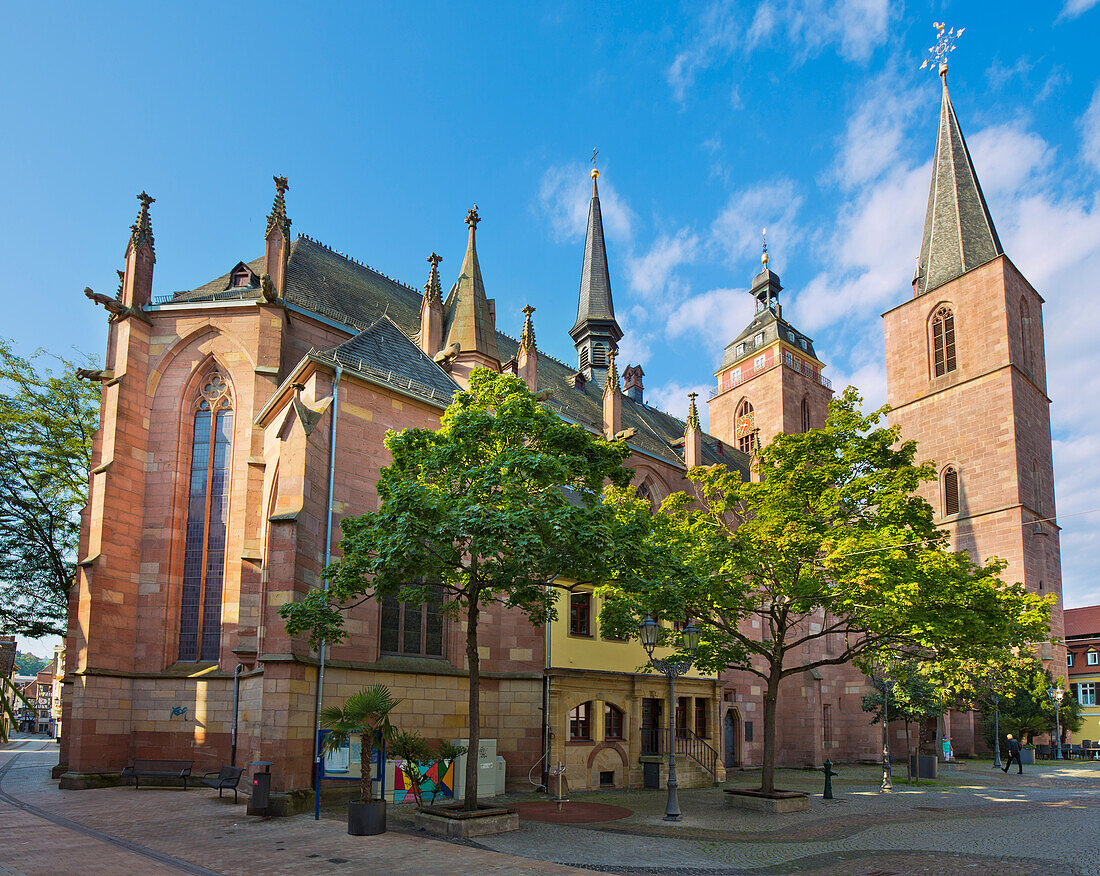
x: 571, y: 813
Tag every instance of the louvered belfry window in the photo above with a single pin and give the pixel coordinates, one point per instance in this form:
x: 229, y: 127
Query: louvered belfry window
x: 207, y: 513
x: 943, y: 341
x: 951, y: 491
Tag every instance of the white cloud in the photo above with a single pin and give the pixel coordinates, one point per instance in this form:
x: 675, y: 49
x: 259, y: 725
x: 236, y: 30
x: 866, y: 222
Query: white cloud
x: 717, y: 316
x: 716, y: 34
x: 1073, y: 8
x: 1010, y: 157
x: 876, y: 131
x: 1090, y: 130
x: 650, y: 272
x: 565, y: 194
x: 672, y: 398
x: 735, y: 233
x: 719, y: 34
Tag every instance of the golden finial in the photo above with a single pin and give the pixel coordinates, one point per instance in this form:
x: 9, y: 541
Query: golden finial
x: 945, y: 45
x: 595, y: 174
x: 764, y: 244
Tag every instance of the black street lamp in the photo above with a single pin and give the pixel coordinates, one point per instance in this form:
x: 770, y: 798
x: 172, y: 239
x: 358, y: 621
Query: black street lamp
x: 672, y: 669
x: 1056, y: 694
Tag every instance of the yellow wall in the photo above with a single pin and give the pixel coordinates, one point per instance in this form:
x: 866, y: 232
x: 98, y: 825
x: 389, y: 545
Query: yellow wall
x: 1090, y: 729
x: 595, y: 652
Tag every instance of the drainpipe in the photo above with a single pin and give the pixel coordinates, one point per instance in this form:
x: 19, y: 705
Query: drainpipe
x: 546, y: 714
x: 236, y: 702
x: 328, y: 550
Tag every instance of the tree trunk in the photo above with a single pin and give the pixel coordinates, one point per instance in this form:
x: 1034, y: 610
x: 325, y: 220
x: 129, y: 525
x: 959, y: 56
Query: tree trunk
x: 366, y: 786
x: 771, y: 696
x: 908, y: 762
x: 472, y: 766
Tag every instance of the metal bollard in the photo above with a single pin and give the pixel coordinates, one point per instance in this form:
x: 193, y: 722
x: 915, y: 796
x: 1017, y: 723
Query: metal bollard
x: 828, y: 795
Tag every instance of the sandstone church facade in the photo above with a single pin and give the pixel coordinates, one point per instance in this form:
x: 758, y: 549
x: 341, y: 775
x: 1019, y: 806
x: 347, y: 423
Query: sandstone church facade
x: 242, y: 419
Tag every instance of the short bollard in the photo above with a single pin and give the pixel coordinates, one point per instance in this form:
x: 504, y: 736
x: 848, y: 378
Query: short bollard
x: 828, y: 795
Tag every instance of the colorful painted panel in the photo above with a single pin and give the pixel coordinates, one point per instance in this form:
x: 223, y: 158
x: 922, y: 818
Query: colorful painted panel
x: 430, y: 781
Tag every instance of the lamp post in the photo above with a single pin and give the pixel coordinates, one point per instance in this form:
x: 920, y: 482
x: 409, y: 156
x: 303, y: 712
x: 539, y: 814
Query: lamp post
x: 995, y: 699
x: 1056, y: 694
x: 672, y: 669
x: 887, y: 783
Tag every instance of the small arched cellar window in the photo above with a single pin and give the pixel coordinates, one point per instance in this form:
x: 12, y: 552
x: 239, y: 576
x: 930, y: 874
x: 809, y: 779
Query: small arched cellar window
x: 207, y: 514
x: 805, y: 414
x: 943, y: 342
x: 950, y: 491
x: 745, y: 427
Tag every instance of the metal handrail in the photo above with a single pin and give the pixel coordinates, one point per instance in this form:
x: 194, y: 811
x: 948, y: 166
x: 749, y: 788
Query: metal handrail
x: 688, y: 743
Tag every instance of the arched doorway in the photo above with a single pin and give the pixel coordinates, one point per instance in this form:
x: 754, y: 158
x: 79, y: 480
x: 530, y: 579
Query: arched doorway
x: 731, y: 731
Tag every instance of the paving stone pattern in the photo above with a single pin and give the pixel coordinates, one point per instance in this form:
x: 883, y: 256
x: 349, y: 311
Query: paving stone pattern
x: 974, y: 821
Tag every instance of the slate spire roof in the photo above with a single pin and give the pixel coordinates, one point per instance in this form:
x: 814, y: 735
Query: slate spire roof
x: 595, y: 333
x: 958, y: 230
x: 467, y: 317
x: 595, y: 295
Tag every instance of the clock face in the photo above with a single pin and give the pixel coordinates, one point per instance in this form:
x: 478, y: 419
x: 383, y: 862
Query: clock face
x: 745, y: 425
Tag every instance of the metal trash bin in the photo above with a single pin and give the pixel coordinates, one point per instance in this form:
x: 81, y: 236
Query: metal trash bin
x: 261, y: 788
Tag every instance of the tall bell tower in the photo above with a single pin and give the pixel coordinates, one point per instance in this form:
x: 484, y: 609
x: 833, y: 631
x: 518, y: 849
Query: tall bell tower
x: 966, y: 378
x: 770, y: 379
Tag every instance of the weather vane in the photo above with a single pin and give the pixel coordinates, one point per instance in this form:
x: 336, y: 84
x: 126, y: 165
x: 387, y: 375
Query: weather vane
x: 595, y: 152
x: 764, y: 246
x: 944, y: 46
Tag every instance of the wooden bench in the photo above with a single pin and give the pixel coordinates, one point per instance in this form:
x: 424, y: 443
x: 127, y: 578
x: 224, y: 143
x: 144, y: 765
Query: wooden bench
x: 158, y: 769
x: 225, y: 778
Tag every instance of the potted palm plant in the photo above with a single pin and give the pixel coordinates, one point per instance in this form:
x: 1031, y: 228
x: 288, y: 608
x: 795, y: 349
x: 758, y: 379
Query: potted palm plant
x: 365, y: 714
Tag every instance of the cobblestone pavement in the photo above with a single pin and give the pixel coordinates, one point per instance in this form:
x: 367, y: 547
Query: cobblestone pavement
x: 153, y: 831
x: 975, y: 821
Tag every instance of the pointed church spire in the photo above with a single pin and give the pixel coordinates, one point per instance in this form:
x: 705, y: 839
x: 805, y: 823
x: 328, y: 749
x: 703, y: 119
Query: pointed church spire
x: 142, y: 229
x: 277, y: 218
x: 468, y: 317
x: 692, y: 421
x: 432, y: 290
x: 527, y: 336
x: 958, y: 231
x: 595, y: 333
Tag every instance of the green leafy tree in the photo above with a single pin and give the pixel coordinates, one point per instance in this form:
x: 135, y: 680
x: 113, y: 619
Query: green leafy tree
x: 46, y: 425
x: 365, y: 714
x: 1026, y: 710
x: 495, y: 507
x: 826, y: 556
x: 28, y: 664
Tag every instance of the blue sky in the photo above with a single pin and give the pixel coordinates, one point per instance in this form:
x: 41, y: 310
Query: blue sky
x: 712, y: 120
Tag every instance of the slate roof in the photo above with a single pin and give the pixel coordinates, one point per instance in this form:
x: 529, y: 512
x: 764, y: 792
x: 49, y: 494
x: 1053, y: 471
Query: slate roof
x: 594, y: 301
x: 373, y: 306
x: 1083, y: 621
x: 773, y: 326
x: 384, y: 352
x: 958, y: 230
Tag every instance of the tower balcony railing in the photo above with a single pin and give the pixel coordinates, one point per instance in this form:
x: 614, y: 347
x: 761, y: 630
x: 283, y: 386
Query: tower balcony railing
x: 795, y: 364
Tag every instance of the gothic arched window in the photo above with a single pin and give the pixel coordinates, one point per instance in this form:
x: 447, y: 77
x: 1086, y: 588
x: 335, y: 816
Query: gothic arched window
x: 943, y: 341
x: 745, y: 427
x: 1027, y: 350
x: 805, y: 414
x: 207, y: 511
x: 950, y: 491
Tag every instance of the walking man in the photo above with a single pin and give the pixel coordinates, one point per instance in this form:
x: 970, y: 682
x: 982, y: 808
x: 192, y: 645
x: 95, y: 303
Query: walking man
x: 1013, y: 746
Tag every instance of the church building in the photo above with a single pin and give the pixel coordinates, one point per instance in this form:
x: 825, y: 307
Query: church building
x: 243, y: 418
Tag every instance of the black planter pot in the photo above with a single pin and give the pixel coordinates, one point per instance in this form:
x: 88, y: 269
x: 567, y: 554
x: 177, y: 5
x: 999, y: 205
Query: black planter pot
x: 366, y: 819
